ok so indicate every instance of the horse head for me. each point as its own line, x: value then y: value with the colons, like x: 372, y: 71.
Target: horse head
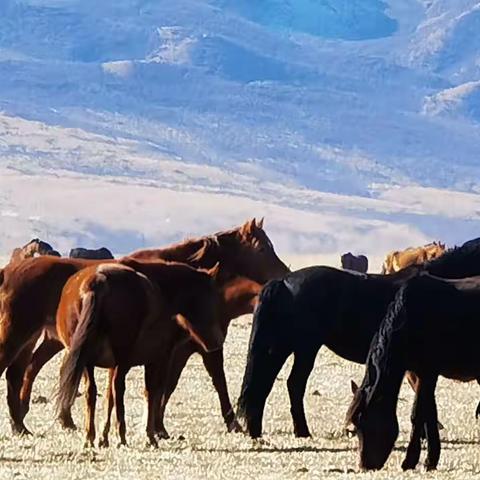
x: 374, y: 422
x: 251, y: 253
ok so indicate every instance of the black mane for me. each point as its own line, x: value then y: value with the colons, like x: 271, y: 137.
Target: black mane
x: 380, y: 348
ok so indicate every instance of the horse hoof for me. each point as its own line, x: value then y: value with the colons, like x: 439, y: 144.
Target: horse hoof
x: 162, y: 434
x: 68, y: 424
x: 303, y: 433
x: 88, y: 444
x: 122, y: 444
x: 104, y: 443
x: 234, y: 427
x: 408, y: 465
x: 20, y: 430
x: 152, y: 443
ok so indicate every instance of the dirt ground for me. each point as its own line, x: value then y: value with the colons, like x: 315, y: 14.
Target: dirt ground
x: 200, y: 446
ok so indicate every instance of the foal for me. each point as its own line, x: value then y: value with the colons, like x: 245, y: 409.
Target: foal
x: 113, y: 316
x: 431, y: 328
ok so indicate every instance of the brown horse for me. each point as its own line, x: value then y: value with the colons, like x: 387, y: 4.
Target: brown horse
x: 32, y: 289
x: 116, y: 317
x: 399, y: 260
x: 33, y: 248
x: 239, y: 297
x: 355, y: 263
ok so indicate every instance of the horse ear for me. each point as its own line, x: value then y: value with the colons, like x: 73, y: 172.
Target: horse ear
x: 259, y: 223
x: 247, y: 228
x: 354, y: 387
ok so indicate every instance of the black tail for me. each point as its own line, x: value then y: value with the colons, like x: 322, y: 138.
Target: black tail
x: 267, y: 350
x: 81, y: 348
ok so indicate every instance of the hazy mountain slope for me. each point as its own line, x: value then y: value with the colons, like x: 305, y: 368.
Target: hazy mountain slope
x: 273, y: 103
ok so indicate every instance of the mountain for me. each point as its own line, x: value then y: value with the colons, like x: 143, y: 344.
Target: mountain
x: 351, y: 124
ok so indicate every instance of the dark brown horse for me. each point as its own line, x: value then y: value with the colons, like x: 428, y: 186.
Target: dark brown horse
x: 91, y: 254
x: 356, y: 263
x: 115, y: 317
x: 431, y: 328
x: 32, y: 289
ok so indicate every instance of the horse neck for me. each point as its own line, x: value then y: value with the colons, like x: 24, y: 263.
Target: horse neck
x: 386, y: 366
x: 239, y: 296
x: 181, y: 252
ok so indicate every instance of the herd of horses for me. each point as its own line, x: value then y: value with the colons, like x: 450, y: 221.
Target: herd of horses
x: 157, y: 307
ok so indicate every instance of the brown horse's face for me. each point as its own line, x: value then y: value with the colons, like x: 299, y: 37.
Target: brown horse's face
x: 376, y: 426
x: 199, y: 314
x: 257, y: 259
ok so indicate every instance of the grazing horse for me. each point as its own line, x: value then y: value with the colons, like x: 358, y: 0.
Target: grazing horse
x: 92, y: 254
x: 431, y: 328
x: 355, y: 263
x: 319, y: 306
x: 114, y: 316
x: 396, y: 261
x: 33, y: 248
x: 31, y: 292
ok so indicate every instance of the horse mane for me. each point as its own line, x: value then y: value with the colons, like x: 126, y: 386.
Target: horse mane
x: 208, y: 244
x: 380, y: 348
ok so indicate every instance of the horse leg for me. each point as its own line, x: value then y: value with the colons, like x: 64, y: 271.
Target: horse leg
x: 153, y: 386
x: 418, y: 419
x: 47, y: 349
x: 109, y: 407
x: 433, y: 437
x: 91, y: 400
x: 119, y: 394
x: 297, y: 383
x: 270, y: 368
x: 177, y: 363
x: 14, y: 375
x: 413, y: 381
x: 213, y: 362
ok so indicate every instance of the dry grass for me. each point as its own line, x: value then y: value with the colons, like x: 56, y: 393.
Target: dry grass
x: 200, y: 447
x: 206, y: 451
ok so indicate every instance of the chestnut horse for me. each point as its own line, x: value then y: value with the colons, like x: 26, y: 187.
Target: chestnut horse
x: 32, y: 289
x: 398, y: 260
x: 431, y: 328
x: 113, y: 316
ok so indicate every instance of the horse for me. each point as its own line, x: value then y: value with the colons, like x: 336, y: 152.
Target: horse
x: 431, y: 328
x: 397, y: 260
x: 356, y: 263
x: 114, y: 316
x: 92, y: 254
x: 318, y: 306
x: 33, y: 248
x: 31, y: 292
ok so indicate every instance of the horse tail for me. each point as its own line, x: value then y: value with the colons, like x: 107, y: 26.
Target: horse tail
x: 81, y: 347
x: 267, y: 351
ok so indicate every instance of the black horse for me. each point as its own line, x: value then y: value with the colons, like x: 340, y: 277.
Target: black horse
x: 432, y: 328
x: 93, y: 254
x: 319, y: 306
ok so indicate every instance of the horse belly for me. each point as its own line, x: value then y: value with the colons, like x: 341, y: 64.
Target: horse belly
x: 105, y: 357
